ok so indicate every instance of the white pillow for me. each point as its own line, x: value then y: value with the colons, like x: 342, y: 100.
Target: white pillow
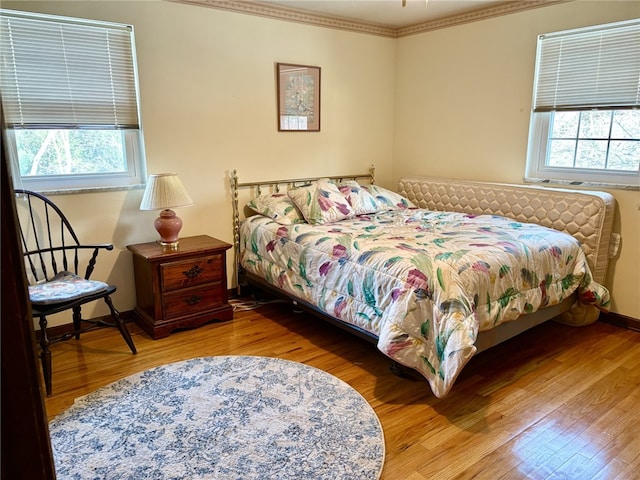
x: 388, y: 200
x: 321, y: 202
x: 277, y: 206
x: 361, y: 201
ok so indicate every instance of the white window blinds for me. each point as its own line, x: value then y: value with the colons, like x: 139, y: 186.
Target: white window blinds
x: 60, y: 72
x: 587, y: 68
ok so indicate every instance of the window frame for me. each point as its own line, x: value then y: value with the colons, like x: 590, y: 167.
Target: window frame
x: 554, y: 89
x: 132, y: 134
x: 537, y: 170
x: 133, y: 178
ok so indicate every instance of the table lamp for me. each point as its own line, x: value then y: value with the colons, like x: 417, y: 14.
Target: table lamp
x: 165, y: 191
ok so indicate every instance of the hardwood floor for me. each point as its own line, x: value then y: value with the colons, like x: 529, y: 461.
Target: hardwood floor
x: 557, y: 402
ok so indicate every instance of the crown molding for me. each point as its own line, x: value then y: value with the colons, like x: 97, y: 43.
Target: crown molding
x: 292, y: 15
x: 299, y: 16
x: 504, y: 8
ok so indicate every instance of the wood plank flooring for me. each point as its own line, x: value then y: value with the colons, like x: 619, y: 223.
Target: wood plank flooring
x: 557, y: 402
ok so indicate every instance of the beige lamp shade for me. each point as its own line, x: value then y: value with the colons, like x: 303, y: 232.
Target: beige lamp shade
x: 165, y: 191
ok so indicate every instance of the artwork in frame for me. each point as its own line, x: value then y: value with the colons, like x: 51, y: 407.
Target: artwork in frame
x: 298, y: 98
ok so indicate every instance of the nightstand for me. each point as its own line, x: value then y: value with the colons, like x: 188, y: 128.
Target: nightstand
x: 180, y: 288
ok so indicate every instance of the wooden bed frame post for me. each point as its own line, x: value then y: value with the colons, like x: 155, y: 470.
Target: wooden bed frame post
x: 236, y: 230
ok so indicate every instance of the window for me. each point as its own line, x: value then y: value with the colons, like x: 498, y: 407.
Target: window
x: 585, y: 123
x: 70, y: 102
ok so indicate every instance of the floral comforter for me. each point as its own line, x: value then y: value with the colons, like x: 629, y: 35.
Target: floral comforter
x: 424, y: 282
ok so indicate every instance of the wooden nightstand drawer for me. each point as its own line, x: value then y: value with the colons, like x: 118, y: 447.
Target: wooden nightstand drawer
x: 192, y: 300
x: 189, y: 273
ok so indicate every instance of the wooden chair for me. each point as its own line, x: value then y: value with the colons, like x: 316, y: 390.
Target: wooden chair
x: 53, y: 257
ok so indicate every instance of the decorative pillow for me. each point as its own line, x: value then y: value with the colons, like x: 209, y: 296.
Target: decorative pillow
x: 64, y: 287
x: 321, y: 203
x: 388, y: 200
x: 278, y: 207
x: 361, y: 201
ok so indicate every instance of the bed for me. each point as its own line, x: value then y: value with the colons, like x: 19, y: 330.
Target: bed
x: 432, y: 272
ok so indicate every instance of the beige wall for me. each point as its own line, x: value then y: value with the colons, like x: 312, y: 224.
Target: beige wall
x: 208, y: 106
x: 208, y: 94
x: 463, y: 100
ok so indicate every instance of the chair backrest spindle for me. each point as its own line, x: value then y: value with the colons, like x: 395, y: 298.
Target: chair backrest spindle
x: 47, y: 238
x: 54, y: 264
x: 32, y: 266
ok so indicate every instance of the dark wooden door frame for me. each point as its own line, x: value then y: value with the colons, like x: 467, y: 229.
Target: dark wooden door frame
x: 26, y: 446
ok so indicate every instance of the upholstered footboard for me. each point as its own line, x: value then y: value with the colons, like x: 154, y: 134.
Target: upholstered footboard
x: 586, y: 215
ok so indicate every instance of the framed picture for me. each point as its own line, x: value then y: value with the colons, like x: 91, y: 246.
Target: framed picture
x: 298, y: 98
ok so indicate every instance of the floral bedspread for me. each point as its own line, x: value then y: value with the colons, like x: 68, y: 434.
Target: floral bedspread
x: 424, y: 282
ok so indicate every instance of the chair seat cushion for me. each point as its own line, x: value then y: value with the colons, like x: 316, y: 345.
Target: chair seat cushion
x: 64, y: 287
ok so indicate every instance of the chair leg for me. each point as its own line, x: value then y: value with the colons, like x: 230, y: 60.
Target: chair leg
x: 77, y: 321
x: 120, y: 324
x: 45, y: 354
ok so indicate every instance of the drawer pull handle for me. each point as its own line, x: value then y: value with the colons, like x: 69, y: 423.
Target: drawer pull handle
x: 193, y: 300
x: 193, y: 272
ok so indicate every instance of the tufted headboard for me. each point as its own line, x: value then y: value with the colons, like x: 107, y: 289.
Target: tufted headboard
x: 586, y: 215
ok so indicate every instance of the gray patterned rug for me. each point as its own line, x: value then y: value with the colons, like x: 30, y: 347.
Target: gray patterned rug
x: 227, y: 417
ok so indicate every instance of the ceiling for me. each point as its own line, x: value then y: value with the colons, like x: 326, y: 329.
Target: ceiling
x: 387, y: 18
x: 390, y: 13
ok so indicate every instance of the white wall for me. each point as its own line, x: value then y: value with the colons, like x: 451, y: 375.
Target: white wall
x: 463, y: 100
x: 208, y: 102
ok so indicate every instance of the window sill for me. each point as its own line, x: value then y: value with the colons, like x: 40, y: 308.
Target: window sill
x: 616, y: 186
x: 72, y: 191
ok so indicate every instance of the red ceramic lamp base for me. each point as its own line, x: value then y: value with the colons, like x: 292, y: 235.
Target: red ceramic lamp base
x: 168, y: 225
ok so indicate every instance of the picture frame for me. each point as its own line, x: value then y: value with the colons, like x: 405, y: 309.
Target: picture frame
x: 298, y: 92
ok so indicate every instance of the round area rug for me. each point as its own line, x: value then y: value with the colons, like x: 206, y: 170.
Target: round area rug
x: 227, y: 417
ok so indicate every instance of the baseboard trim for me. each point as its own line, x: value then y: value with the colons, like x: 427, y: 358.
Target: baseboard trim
x: 619, y: 320
x: 612, y: 318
